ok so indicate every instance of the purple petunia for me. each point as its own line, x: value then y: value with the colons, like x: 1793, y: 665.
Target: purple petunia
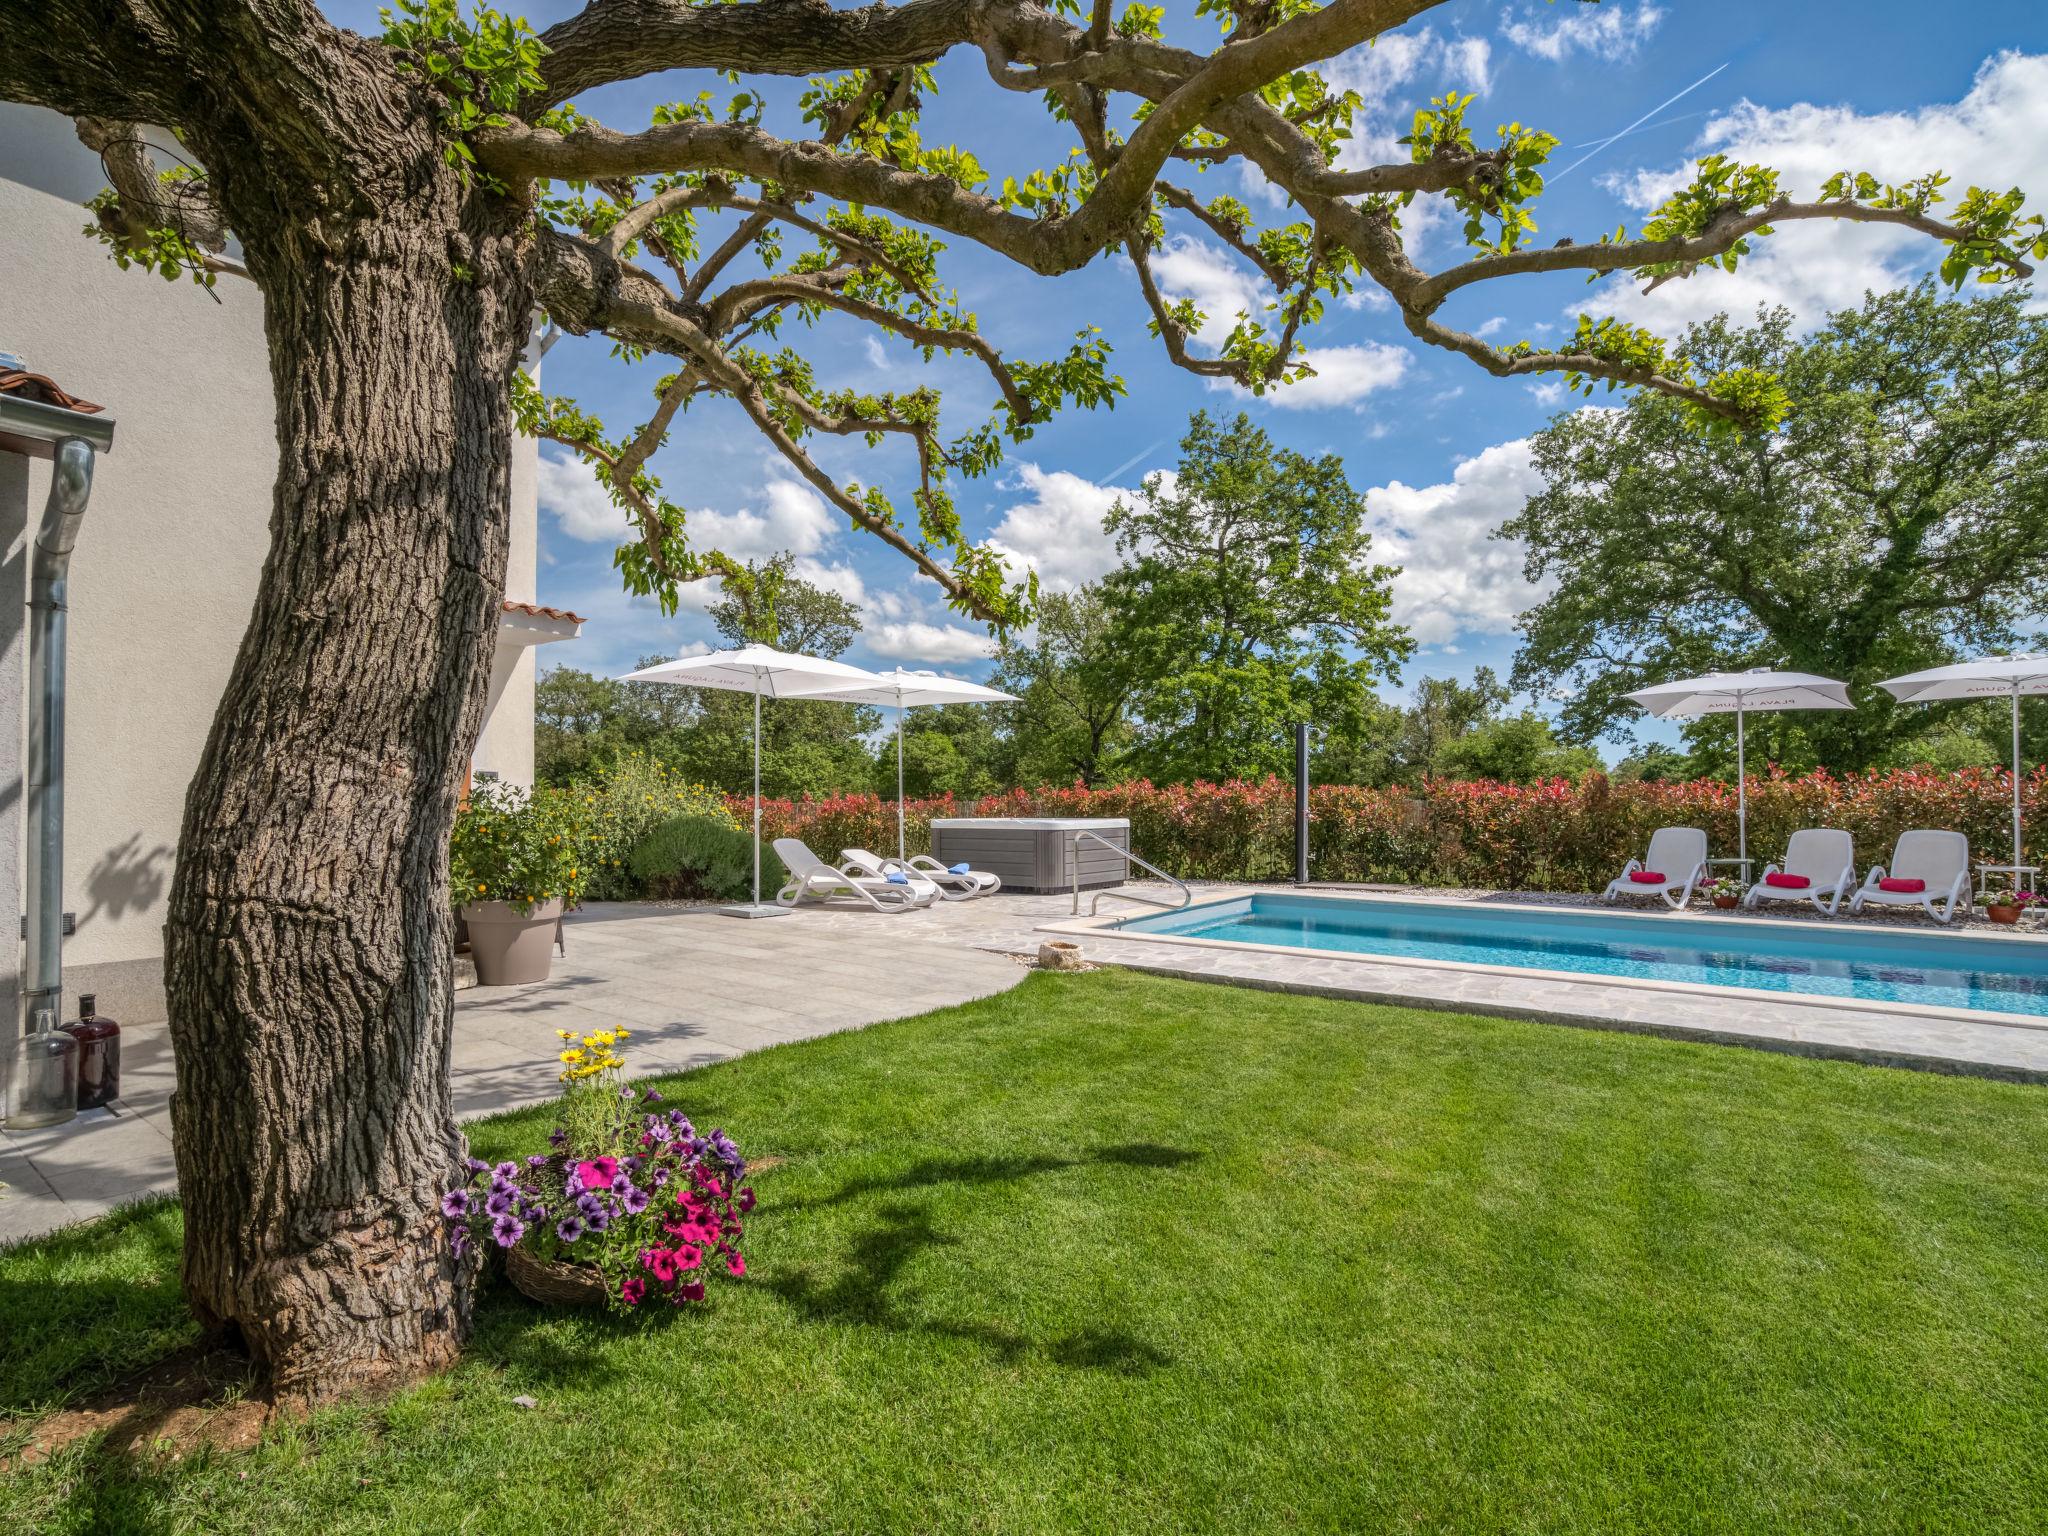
x: 455, y: 1204
x: 568, y: 1229
x: 621, y: 1183
x: 659, y: 1130
x: 499, y: 1203
x: 475, y: 1164
x: 590, y: 1206
x: 600, y: 1221
x: 634, y: 1200
x: 558, y: 1137
x: 507, y: 1230
x: 506, y: 1170
x: 537, y: 1160
x: 653, y: 1097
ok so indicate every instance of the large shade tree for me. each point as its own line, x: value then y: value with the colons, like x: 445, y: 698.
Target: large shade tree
x: 405, y: 204
x: 1897, y: 520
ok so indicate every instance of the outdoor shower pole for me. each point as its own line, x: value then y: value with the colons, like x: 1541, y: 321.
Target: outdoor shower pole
x: 1301, y: 803
x: 900, y: 713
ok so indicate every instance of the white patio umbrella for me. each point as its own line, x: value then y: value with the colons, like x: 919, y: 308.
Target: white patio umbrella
x: 1738, y: 694
x: 1989, y: 677
x: 765, y: 673
x: 904, y: 691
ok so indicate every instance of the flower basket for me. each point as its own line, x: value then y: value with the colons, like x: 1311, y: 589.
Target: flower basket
x: 552, y: 1283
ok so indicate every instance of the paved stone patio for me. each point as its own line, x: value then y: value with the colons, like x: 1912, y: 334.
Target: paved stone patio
x: 697, y: 987
x: 694, y: 987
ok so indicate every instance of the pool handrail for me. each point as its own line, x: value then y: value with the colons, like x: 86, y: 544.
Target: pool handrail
x: 1187, y: 894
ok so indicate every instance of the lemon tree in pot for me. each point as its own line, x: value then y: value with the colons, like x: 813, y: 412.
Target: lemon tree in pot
x: 514, y: 862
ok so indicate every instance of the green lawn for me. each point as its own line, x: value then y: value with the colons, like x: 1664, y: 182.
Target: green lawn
x: 1113, y: 1253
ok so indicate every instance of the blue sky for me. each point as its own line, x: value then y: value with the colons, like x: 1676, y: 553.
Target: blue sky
x: 1438, y: 446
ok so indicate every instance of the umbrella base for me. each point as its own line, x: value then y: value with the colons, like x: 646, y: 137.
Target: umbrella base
x: 754, y: 909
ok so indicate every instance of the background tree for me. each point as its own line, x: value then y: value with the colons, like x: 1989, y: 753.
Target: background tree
x: 404, y: 204
x: 583, y: 724
x: 1246, y: 603
x: 1074, y: 690
x: 1898, y: 519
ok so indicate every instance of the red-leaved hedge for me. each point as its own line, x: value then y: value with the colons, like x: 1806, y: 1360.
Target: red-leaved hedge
x: 1548, y: 836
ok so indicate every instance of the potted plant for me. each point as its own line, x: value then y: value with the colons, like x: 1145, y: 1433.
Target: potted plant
x: 1725, y: 891
x: 2006, y: 904
x: 514, y: 863
x: 629, y: 1204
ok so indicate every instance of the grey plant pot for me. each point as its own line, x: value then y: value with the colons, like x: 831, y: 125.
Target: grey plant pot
x: 510, y: 947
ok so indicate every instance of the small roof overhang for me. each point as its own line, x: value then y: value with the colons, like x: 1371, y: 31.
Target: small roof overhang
x: 533, y: 624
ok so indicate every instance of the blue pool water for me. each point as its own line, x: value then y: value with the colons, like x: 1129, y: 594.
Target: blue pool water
x: 1887, y: 964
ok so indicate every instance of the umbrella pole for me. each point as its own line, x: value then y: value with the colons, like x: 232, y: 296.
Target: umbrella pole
x: 2016, y: 783
x: 900, y: 713
x: 1741, y: 796
x: 757, y: 797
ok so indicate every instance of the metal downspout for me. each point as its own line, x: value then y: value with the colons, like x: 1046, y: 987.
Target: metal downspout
x: 49, y: 563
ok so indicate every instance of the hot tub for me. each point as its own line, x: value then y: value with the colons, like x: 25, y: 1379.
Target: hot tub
x: 1036, y: 853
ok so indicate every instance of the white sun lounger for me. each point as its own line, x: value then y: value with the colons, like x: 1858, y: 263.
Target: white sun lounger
x: 1679, y: 854
x: 1821, y: 856
x: 953, y: 884
x: 1940, y: 861
x: 876, y: 868
x: 810, y: 875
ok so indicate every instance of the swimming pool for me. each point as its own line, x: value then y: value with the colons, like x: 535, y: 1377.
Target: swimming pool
x: 1880, y: 965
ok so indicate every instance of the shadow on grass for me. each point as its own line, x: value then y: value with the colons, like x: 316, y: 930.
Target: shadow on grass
x: 931, y: 1172
x: 869, y: 1293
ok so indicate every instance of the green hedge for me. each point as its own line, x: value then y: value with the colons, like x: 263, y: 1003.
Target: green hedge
x: 1549, y: 836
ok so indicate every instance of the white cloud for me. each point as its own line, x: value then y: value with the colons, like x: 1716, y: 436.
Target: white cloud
x: 878, y: 355
x: 1343, y: 376
x: 792, y: 519
x: 579, y: 505
x: 1549, y: 392
x: 1456, y: 578
x: 1058, y: 533
x: 1996, y: 136
x: 1222, y: 289
x: 1492, y: 327
x: 1606, y: 31
x: 916, y: 640
x: 841, y: 579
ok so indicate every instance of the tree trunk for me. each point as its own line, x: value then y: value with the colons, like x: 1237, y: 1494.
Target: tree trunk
x: 309, y: 938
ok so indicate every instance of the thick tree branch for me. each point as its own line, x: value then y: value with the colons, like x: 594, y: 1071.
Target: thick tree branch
x: 612, y: 40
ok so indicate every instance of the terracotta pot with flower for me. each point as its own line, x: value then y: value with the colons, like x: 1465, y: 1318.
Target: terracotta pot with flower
x: 514, y: 865
x: 2006, y: 905
x: 631, y: 1203
x: 1725, y: 891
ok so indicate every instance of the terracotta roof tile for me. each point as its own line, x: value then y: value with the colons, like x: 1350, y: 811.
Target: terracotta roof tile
x: 540, y: 612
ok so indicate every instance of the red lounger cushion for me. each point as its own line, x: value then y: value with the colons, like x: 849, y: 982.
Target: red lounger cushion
x: 1646, y: 877
x: 1786, y: 882
x: 1903, y: 887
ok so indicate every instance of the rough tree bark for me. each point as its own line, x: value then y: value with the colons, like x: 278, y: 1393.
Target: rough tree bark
x: 309, y: 933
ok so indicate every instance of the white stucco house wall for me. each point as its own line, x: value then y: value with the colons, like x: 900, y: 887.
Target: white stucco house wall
x: 164, y: 575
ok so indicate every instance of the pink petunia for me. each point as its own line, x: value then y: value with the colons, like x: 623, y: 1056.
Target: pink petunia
x: 598, y: 1173
x: 736, y: 1264
x: 632, y: 1291
x: 688, y: 1257
x: 692, y: 1291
